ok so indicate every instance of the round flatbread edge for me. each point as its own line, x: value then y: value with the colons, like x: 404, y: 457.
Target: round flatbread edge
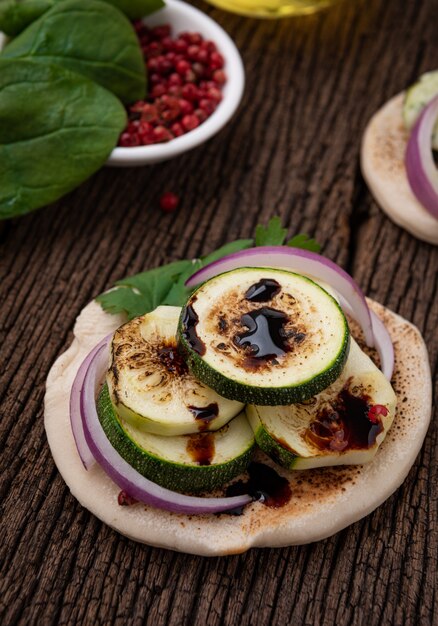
x: 383, y: 167
x: 323, y: 502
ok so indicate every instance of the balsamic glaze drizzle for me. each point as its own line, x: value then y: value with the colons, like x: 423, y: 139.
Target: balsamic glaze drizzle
x: 265, y: 337
x: 264, y: 484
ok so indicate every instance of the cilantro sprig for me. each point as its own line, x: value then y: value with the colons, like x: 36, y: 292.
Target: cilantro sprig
x: 139, y: 294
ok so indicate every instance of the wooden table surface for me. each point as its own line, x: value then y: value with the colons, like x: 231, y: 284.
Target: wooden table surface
x: 292, y: 150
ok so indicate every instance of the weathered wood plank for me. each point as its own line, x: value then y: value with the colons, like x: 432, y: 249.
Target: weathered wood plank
x: 292, y: 150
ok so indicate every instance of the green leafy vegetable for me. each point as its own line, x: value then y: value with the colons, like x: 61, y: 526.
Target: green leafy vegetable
x: 16, y: 15
x: 135, y: 9
x: 271, y: 235
x: 57, y: 128
x: 93, y: 39
x: 179, y: 292
x: 304, y: 242
x: 142, y: 293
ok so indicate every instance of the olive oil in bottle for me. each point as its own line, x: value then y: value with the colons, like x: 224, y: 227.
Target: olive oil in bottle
x: 273, y: 8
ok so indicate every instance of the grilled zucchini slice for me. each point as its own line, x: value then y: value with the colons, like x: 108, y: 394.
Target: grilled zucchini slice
x: 264, y: 336
x: 150, y: 385
x: 343, y: 425
x: 187, y: 463
x: 417, y: 97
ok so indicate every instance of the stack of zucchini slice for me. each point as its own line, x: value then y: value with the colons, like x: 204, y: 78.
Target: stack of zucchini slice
x: 164, y: 422
x: 178, y: 381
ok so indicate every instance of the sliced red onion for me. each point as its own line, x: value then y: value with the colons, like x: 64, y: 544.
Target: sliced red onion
x: 383, y: 341
x: 420, y: 166
x: 296, y: 260
x: 384, y: 346
x: 84, y: 451
x: 123, y: 474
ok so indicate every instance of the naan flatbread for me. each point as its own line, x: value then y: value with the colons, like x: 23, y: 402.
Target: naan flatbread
x: 324, y: 501
x: 383, y: 167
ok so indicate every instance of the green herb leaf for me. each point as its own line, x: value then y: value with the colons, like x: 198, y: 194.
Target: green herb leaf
x: 123, y: 300
x: 271, y: 235
x: 144, y: 292
x: 304, y: 242
x: 16, y: 15
x: 71, y: 34
x: 166, y: 285
x: 57, y: 128
x: 135, y: 9
x: 179, y: 293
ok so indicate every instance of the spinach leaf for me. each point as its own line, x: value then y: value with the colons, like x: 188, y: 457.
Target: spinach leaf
x: 135, y: 9
x: 15, y: 15
x: 271, y: 235
x: 93, y: 39
x: 304, y: 242
x: 56, y: 129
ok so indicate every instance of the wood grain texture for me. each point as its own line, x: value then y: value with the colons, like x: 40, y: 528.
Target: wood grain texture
x: 291, y: 150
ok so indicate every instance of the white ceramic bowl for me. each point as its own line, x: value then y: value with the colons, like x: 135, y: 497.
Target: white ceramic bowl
x: 183, y: 17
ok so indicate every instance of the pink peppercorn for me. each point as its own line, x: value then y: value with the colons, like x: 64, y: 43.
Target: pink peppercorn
x: 185, y: 106
x: 185, y: 76
x: 177, y: 129
x: 128, y: 140
x: 161, y: 31
x: 161, y: 134
x: 182, y: 67
x: 169, y: 202
x: 375, y: 412
x: 190, y: 122
x: 216, y: 61
x: 201, y: 115
x: 219, y: 77
x: 190, y: 92
x: 124, y: 499
x: 180, y: 45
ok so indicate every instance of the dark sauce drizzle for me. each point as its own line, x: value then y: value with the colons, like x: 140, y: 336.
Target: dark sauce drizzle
x: 264, y: 484
x: 204, y: 414
x: 201, y: 448
x: 189, y: 323
x: 348, y: 424
x: 172, y: 360
x: 265, y: 337
x: 263, y: 291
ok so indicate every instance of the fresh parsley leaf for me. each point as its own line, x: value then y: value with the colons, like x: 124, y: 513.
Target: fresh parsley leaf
x: 304, y: 242
x: 271, y: 235
x: 179, y: 293
x: 123, y: 300
x: 139, y: 294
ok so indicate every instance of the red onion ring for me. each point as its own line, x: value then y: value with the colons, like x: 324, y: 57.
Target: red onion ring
x: 84, y: 451
x: 296, y: 260
x: 123, y: 474
x: 420, y: 166
x: 383, y: 341
x: 384, y: 346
